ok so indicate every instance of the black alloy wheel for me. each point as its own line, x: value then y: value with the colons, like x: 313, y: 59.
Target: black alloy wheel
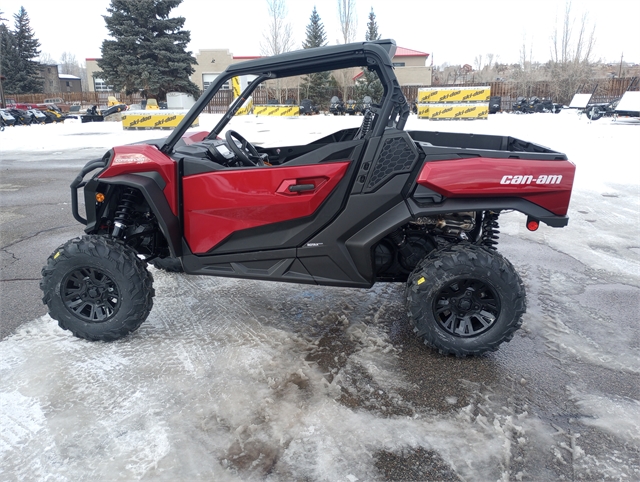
x: 466, y: 307
x: 90, y: 294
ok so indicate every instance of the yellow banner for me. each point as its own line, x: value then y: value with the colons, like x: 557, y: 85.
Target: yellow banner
x: 453, y: 94
x: 247, y: 107
x: 235, y: 85
x: 154, y: 120
x: 277, y: 110
x: 454, y: 111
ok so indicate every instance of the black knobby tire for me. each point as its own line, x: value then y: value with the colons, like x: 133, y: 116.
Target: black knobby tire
x: 172, y: 265
x: 465, y: 300
x: 97, y: 288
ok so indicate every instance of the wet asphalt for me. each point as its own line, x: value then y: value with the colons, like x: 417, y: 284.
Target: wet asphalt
x: 580, y: 336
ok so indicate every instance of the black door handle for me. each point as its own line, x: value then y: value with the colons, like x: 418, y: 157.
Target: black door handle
x: 301, y: 187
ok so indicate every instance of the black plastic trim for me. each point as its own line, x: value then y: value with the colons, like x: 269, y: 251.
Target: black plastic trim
x: 452, y: 205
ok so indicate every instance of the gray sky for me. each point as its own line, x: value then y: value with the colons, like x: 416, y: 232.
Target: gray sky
x: 453, y: 31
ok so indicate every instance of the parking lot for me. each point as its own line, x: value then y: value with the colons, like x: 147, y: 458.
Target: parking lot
x: 246, y: 380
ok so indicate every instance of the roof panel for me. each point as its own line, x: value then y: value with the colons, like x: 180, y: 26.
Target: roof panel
x: 402, y: 52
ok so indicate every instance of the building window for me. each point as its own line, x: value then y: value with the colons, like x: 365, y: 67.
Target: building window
x: 207, y: 80
x: 51, y: 83
x: 101, y: 86
x: 49, y: 70
x: 398, y: 64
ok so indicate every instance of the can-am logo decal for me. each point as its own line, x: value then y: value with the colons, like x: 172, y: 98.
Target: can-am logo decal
x: 543, y: 179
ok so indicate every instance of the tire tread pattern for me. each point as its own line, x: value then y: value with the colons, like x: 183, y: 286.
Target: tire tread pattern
x: 123, y: 261
x: 435, y: 267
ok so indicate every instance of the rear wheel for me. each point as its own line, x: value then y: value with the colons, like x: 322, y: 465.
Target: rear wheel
x: 465, y: 300
x: 97, y: 288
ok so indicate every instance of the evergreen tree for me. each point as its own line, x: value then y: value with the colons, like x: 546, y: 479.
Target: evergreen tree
x: 149, y: 51
x: 315, y: 86
x: 19, y: 51
x: 368, y: 83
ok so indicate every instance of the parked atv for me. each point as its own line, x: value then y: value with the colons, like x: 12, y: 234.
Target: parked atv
x: 22, y: 117
x: 307, y: 107
x: 37, y: 117
x: 543, y: 105
x: 92, y: 115
x: 521, y: 106
x: 336, y: 107
x: 6, y: 119
x: 352, y: 107
x: 358, y: 206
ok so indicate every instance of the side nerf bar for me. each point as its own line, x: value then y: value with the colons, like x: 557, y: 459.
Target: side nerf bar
x: 78, y: 183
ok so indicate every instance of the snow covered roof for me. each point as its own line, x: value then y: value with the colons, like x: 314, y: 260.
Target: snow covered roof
x: 68, y: 76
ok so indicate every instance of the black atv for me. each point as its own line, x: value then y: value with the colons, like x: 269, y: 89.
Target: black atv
x: 307, y: 107
x: 336, y: 106
x: 355, y: 207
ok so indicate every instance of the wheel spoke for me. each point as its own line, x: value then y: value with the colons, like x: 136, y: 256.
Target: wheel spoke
x: 448, y: 323
x: 464, y: 327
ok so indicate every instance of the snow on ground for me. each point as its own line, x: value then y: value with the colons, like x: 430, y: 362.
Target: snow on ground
x: 242, y: 380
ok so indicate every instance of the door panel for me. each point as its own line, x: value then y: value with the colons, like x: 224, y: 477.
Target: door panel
x: 221, y: 203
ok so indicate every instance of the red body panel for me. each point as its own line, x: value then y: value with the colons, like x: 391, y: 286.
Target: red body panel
x: 545, y: 183
x: 144, y: 158
x: 220, y: 203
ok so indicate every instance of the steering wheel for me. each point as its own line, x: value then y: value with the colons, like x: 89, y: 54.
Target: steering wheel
x: 244, y: 153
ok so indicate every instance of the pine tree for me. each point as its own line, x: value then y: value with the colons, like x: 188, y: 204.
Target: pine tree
x: 316, y: 86
x: 19, y: 51
x: 368, y: 83
x: 149, y: 51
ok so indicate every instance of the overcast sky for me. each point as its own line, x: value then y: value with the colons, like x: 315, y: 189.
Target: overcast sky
x: 453, y: 31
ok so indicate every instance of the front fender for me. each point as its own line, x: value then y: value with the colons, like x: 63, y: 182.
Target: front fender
x: 151, y: 185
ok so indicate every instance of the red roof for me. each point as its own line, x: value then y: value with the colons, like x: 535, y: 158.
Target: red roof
x: 402, y: 52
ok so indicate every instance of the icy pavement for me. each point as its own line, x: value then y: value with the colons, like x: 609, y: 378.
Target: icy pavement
x: 243, y: 380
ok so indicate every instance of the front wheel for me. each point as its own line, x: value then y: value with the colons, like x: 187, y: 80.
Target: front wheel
x: 465, y: 300
x: 97, y: 288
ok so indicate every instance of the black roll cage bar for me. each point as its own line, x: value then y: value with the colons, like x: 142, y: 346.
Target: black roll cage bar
x: 376, y: 56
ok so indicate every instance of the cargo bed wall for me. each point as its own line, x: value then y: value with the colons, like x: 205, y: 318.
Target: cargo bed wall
x: 479, y: 141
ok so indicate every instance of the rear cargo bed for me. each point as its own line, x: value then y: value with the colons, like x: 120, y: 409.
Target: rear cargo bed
x: 483, y: 142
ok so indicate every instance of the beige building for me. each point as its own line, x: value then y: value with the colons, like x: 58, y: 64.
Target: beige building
x: 411, y: 68
x: 96, y: 84
x: 211, y: 63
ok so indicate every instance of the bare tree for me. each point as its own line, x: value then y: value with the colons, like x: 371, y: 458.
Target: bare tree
x: 348, y: 26
x: 348, y: 20
x: 278, y: 38
x: 46, y: 59
x: 68, y: 64
x: 571, y: 51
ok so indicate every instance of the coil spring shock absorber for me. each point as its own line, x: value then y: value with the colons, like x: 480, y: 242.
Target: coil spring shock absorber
x: 366, y: 124
x: 123, y: 212
x: 490, y: 231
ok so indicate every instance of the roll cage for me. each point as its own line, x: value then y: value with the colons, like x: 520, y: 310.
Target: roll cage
x: 376, y: 56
